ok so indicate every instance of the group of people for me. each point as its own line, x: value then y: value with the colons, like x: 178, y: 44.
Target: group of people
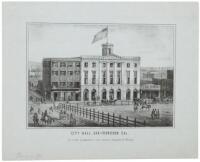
x: 155, y: 114
x: 41, y: 117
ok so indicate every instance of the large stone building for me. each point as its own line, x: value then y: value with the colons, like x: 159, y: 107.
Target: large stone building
x: 92, y: 78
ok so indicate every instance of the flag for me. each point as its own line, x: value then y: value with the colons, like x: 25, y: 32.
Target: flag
x: 101, y: 35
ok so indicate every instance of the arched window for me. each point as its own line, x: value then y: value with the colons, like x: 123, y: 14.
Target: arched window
x: 119, y: 94
x: 93, y: 95
x: 135, y: 93
x: 86, y: 95
x: 111, y: 94
x: 128, y: 94
x: 104, y: 94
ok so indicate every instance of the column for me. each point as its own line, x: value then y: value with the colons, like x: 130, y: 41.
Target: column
x: 138, y: 94
x: 62, y: 96
x: 107, y: 94
x: 107, y: 73
x: 90, y: 99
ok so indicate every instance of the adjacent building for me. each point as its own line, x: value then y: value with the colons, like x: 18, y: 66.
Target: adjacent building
x: 156, y: 82
x: 92, y: 78
x: 61, y: 79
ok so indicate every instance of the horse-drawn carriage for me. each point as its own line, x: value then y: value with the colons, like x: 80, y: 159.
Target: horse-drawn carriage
x: 108, y: 102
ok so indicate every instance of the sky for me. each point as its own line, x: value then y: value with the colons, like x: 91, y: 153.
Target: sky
x: 153, y: 43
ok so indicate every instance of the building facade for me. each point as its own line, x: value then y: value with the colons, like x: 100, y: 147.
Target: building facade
x: 97, y: 78
x: 110, y: 77
x: 156, y: 82
x: 61, y: 79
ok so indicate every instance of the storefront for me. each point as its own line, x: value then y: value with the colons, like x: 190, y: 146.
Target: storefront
x: 150, y: 91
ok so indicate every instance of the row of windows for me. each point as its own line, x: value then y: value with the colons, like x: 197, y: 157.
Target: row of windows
x: 64, y: 64
x: 110, y: 93
x: 104, y: 77
x: 64, y: 73
x: 111, y: 64
x: 64, y: 84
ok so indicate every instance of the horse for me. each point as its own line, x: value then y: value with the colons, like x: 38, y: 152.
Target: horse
x: 146, y: 106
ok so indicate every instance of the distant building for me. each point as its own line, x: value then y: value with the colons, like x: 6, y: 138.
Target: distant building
x: 150, y: 91
x: 160, y: 78
x: 92, y: 78
x: 34, y: 74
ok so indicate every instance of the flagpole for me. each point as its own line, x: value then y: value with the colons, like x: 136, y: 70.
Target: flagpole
x: 107, y: 35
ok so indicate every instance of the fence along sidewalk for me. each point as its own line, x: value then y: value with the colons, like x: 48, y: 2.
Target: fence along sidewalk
x: 104, y: 119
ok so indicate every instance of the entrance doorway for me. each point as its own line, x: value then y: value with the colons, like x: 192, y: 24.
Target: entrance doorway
x: 55, y: 96
x: 134, y: 94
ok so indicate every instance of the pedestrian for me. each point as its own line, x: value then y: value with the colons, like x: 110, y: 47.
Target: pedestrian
x: 46, y: 118
x: 35, y: 119
x: 153, y: 114
x: 158, y: 114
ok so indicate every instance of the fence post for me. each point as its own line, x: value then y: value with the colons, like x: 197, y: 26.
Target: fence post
x: 119, y: 120
x: 113, y: 119
x: 108, y: 118
x: 98, y: 116
x: 93, y: 114
x: 102, y: 117
x: 90, y: 114
x: 127, y: 121
x: 144, y: 123
x: 135, y: 122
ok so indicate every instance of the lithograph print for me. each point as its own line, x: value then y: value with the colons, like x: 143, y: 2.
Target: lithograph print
x: 100, y: 75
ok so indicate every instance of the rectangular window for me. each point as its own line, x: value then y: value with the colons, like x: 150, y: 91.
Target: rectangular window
x: 111, y: 77
x: 54, y: 64
x: 77, y: 72
x: 86, y: 77
x: 109, y: 50
x: 128, y: 77
x: 70, y: 64
x: 62, y: 64
x: 70, y: 84
x: 63, y: 73
x: 55, y: 84
x: 135, y: 65
x: 128, y: 65
x: 77, y: 84
x: 70, y: 73
x: 86, y: 64
x: 104, y: 77
x: 118, y: 64
x: 135, y: 77
x: 94, y: 64
x: 78, y: 64
x: 104, y: 64
x: 62, y: 84
x: 55, y: 73
x: 111, y: 64
x: 93, y: 77
x: 118, y: 77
